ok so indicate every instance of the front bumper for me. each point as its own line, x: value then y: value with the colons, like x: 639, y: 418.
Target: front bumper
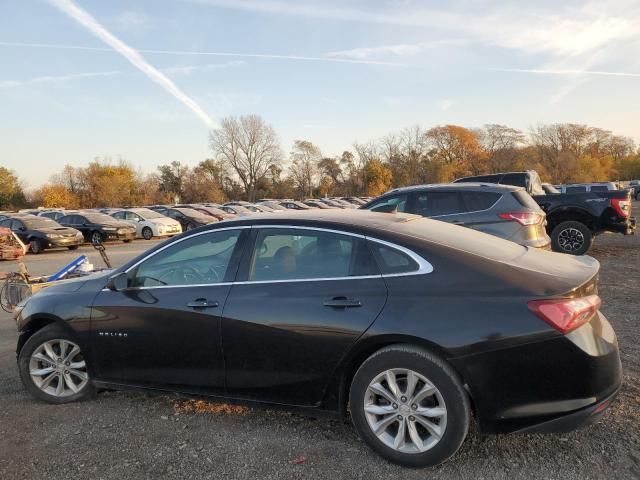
x: 120, y: 236
x: 626, y: 227
x: 64, y: 242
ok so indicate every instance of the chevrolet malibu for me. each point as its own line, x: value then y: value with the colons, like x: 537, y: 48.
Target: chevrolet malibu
x: 408, y: 325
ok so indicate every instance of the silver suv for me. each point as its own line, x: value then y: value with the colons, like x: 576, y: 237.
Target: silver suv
x: 505, y: 211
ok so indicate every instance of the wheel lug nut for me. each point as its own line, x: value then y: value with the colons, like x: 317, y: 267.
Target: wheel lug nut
x: 414, y: 406
x: 411, y: 418
x: 399, y: 417
x: 395, y: 405
x: 404, y: 399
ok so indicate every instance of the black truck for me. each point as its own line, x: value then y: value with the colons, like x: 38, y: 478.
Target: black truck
x: 573, y: 219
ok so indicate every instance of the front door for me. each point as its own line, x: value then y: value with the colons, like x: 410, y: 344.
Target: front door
x: 164, y: 329
x: 303, y: 298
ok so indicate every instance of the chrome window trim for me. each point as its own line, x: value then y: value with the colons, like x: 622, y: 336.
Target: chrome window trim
x: 424, y: 267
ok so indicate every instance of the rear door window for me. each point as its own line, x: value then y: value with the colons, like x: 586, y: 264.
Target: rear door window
x: 437, y: 204
x: 477, y: 201
x: 282, y: 254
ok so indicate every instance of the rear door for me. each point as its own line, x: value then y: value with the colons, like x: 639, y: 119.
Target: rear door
x: 306, y: 296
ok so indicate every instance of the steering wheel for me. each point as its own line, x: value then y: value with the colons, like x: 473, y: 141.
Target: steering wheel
x: 184, y: 275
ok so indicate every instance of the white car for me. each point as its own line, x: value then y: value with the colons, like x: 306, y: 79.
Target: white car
x: 148, y: 223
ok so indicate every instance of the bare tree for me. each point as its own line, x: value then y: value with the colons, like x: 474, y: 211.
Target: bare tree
x: 502, y: 145
x: 249, y: 145
x: 305, y: 157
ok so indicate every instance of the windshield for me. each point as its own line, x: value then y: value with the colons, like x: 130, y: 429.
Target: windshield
x: 39, y: 222
x: 98, y: 217
x: 190, y: 212
x: 147, y: 214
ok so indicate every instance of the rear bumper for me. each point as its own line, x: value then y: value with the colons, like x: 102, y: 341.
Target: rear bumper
x: 572, y: 421
x: 551, y: 385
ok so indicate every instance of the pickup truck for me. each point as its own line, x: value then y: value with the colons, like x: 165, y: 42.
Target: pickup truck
x: 573, y: 219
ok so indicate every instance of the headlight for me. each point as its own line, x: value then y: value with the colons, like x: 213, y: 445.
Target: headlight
x: 161, y: 228
x: 109, y: 229
x: 122, y: 230
x: 53, y: 235
x: 79, y: 235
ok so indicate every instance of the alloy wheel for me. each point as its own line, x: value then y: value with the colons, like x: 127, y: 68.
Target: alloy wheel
x: 57, y: 367
x: 571, y: 239
x: 405, y: 410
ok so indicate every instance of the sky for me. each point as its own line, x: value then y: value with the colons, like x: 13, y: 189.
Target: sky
x: 146, y: 80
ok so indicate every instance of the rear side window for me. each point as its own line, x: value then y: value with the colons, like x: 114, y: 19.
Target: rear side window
x: 517, y: 179
x: 526, y: 200
x: 599, y: 188
x: 433, y: 204
x: 476, y: 201
x: 580, y: 189
x: 391, y: 260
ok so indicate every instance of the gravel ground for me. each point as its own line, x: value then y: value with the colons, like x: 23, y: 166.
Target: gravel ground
x: 129, y: 435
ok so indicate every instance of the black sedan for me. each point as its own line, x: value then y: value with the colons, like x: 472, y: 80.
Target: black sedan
x: 98, y: 227
x: 409, y: 323
x: 40, y: 233
x: 188, y: 218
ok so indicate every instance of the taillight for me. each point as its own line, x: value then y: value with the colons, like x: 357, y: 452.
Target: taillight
x: 565, y: 314
x: 523, y: 218
x: 621, y: 206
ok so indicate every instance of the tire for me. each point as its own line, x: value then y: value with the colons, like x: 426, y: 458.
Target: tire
x: 73, y: 247
x: 435, y: 445
x: 191, y: 226
x: 147, y: 233
x: 96, y: 237
x: 57, y: 390
x: 126, y: 241
x: 36, y: 246
x: 571, y: 237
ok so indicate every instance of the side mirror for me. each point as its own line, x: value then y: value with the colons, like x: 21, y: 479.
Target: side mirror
x: 118, y: 282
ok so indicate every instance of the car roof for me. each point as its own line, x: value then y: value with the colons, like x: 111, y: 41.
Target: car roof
x: 472, y: 186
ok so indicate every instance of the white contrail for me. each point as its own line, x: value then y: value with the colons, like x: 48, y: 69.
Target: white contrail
x: 86, y: 20
x: 213, y: 54
x: 566, y: 72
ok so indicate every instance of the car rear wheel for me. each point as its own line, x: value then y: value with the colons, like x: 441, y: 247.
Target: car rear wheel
x: 191, y: 226
x: 571, y: 237
x: 53, y: 368
x: 73, y: 247
x: 409, y: 406
x: 147, y: 233
x: 36, y: 246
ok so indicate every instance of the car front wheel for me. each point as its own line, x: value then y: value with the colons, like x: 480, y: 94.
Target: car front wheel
x: 35, y: 246
x: 147, y: 233
x: 53, y: 367
x: 409, y: 406
x: 96, y: 238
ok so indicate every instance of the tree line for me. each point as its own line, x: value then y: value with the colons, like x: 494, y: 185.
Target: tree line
x: 248, y: 162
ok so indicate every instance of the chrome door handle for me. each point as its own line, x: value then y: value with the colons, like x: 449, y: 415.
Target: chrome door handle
x: 202, y: 303
x: 342, y: 302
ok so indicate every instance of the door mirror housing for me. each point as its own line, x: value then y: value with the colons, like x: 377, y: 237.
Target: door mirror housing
x: 118, y: 282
